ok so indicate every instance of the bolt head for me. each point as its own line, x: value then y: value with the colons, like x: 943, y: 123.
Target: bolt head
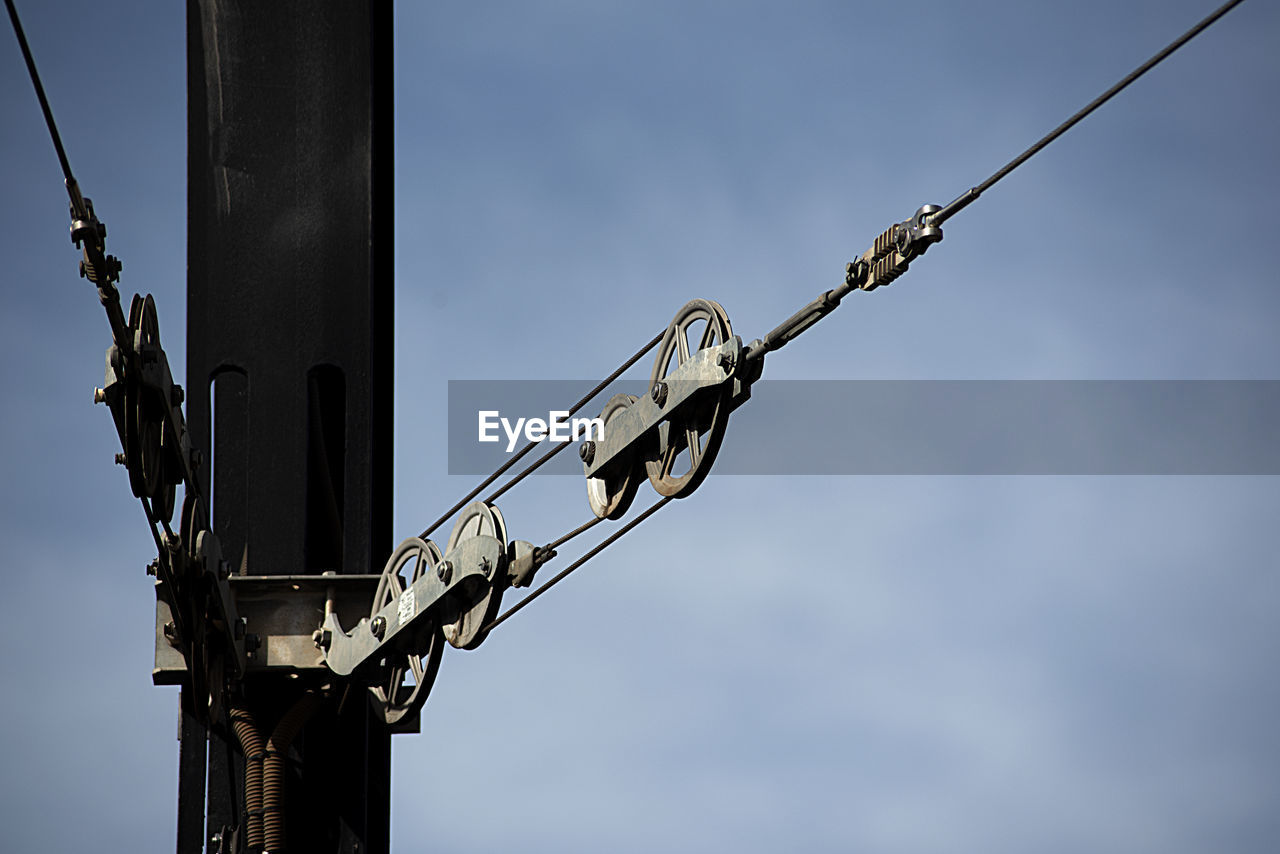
x: 444, y: 571
x: 378, y: 627
x: 902, y: 239
x: 587, y: 450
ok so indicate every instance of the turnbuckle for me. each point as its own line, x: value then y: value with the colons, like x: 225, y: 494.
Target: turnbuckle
x: 893, y: 251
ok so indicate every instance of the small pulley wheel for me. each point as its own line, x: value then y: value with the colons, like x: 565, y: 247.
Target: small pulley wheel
x: 478, y: 519
x: 188, y: 527
x: 678, y: 466
x: 610, y: 494
x: 144, y: 425
x: 401, y: 693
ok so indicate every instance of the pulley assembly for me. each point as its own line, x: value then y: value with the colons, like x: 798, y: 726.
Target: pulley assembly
x: 669, y: 436
x: 381, y: 637
x: 387, y: 633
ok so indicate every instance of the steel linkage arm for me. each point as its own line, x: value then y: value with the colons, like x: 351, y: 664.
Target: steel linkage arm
x: 667, y: 399
x: 405, y: 624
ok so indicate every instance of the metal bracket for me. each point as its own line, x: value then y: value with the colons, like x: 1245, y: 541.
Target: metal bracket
x: 281, y: 613
x: 402, y: 624
x: 623, y: 436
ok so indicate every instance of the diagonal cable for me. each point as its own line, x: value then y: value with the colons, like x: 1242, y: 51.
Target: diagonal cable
x: 971, y: 195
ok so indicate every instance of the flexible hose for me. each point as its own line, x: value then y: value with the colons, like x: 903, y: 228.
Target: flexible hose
x: 273, y: 770
x: 254, y: 753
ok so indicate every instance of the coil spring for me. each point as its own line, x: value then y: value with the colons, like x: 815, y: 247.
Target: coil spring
x: 273, y: 770
x: 251, y: 743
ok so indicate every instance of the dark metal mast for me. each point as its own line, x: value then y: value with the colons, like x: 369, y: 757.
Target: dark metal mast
x: 289, y: 365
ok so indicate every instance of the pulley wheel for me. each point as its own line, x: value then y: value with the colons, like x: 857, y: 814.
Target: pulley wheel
x: 476, y: 520
x: 404, y: 689
x: 165, y: 499
x: 610, y: 494
x: 188, y: 527
x: 143, y: 425
x: 678, y: 466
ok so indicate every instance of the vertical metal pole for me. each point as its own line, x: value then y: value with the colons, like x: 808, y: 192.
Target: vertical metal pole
x: 192, y: 761
x: 289, y: 360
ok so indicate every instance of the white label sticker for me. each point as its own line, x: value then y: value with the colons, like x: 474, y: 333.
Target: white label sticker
x: 406, y: 610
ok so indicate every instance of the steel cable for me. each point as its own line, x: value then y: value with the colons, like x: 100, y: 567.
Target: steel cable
x: 44, y: 102
x: 538, y: 463
x: 529, y: 447
x: 971, y: 195
x: 581, y: 529
x: 564, y: 573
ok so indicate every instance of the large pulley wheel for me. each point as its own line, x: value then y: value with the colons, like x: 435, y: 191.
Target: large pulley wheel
x: 401, y: 693
x: 678, y: 464
x: 144, y: 418
x: 610, y: 494
x: 165, y: 498
x: 480, y: 607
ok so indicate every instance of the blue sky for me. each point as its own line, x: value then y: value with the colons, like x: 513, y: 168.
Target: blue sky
x: 907, y: 664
